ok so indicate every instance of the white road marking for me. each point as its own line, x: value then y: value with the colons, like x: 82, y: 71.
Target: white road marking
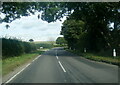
x: 57, y: 57
x: 21, y: 70
x: 60, y: 63
x: 56, y: 52
x: 18, y: 73
x: 36, y: 58
x: 62, y: 66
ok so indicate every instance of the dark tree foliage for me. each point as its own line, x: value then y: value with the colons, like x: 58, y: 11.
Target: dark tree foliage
x: 96, y: 34
x: 71, y: 30
x: 14, y: 10
x: 31, y: 40
x: 96, y: 16
x: 61, y: 41
x: 7, y: 26
x: 15, y: 47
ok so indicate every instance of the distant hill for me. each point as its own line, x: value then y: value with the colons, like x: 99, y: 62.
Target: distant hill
x: 47, y: 42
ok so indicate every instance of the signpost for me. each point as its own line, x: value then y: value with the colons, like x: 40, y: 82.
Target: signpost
x: 85, y: 50
x: 114, y: 52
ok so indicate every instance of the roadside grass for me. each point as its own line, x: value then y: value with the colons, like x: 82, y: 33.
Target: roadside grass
x: 0, y: 67
x: 96, y: 57
x: 9, y: 64
x: 109, y: 59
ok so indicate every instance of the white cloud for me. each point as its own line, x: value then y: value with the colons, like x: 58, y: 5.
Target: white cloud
x: 32, y: 27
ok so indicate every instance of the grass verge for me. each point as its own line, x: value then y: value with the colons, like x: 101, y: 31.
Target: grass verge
x: 0, y: 67
x: 110, y: 60
x: 95, y: 57
x: 11, y: 63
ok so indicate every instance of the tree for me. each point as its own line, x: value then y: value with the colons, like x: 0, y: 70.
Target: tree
x: 71, y: 30
x: 31, y: 40
x: 15, y: 10
x: 60, y: 41
x: 7, y: 26
x: 96, y: 16
x: 96, y: 27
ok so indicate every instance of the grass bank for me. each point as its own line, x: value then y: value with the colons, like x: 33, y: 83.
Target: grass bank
x: 109, y: 59
x: 95, y: 57
x: 0, y: 67
x: 9, y: 64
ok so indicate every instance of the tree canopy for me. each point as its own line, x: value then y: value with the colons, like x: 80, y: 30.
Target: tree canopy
x: 60, y: 41
x: 94, y: 31
x: 88, y: 23
x: 51, y: 11
x: 31, y: 40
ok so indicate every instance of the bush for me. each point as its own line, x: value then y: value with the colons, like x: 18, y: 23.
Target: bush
x: 15, y: 47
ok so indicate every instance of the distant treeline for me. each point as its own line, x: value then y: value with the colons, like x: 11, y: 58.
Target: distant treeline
x: 15, y: 47
x: 93, y: 27
x: 44, y: 45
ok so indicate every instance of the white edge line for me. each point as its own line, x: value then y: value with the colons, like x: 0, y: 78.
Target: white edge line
x: 36, y: 58
x: 21, y: 70
x: 18, y: 73
x: 62, y: 66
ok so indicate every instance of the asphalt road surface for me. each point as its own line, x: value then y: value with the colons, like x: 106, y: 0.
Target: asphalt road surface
x: 60, y: 66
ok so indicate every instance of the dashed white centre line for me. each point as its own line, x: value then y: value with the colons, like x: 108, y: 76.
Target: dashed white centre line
x: 60, y: 63
x: 56, y: 52
x: 57, y: 57
x: 62, y: 66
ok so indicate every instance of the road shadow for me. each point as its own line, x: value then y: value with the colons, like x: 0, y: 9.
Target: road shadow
x: 64, y: 53
x: 59, y: 51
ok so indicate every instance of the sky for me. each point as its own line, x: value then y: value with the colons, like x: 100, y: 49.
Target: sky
x: 31, y: 27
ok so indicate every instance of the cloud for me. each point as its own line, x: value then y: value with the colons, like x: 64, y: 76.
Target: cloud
x: 32, y: 27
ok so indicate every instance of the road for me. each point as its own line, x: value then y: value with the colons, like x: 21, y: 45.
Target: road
x: 60, y: 66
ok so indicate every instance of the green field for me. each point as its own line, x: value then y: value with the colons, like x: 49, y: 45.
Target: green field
x: 46, y: 42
